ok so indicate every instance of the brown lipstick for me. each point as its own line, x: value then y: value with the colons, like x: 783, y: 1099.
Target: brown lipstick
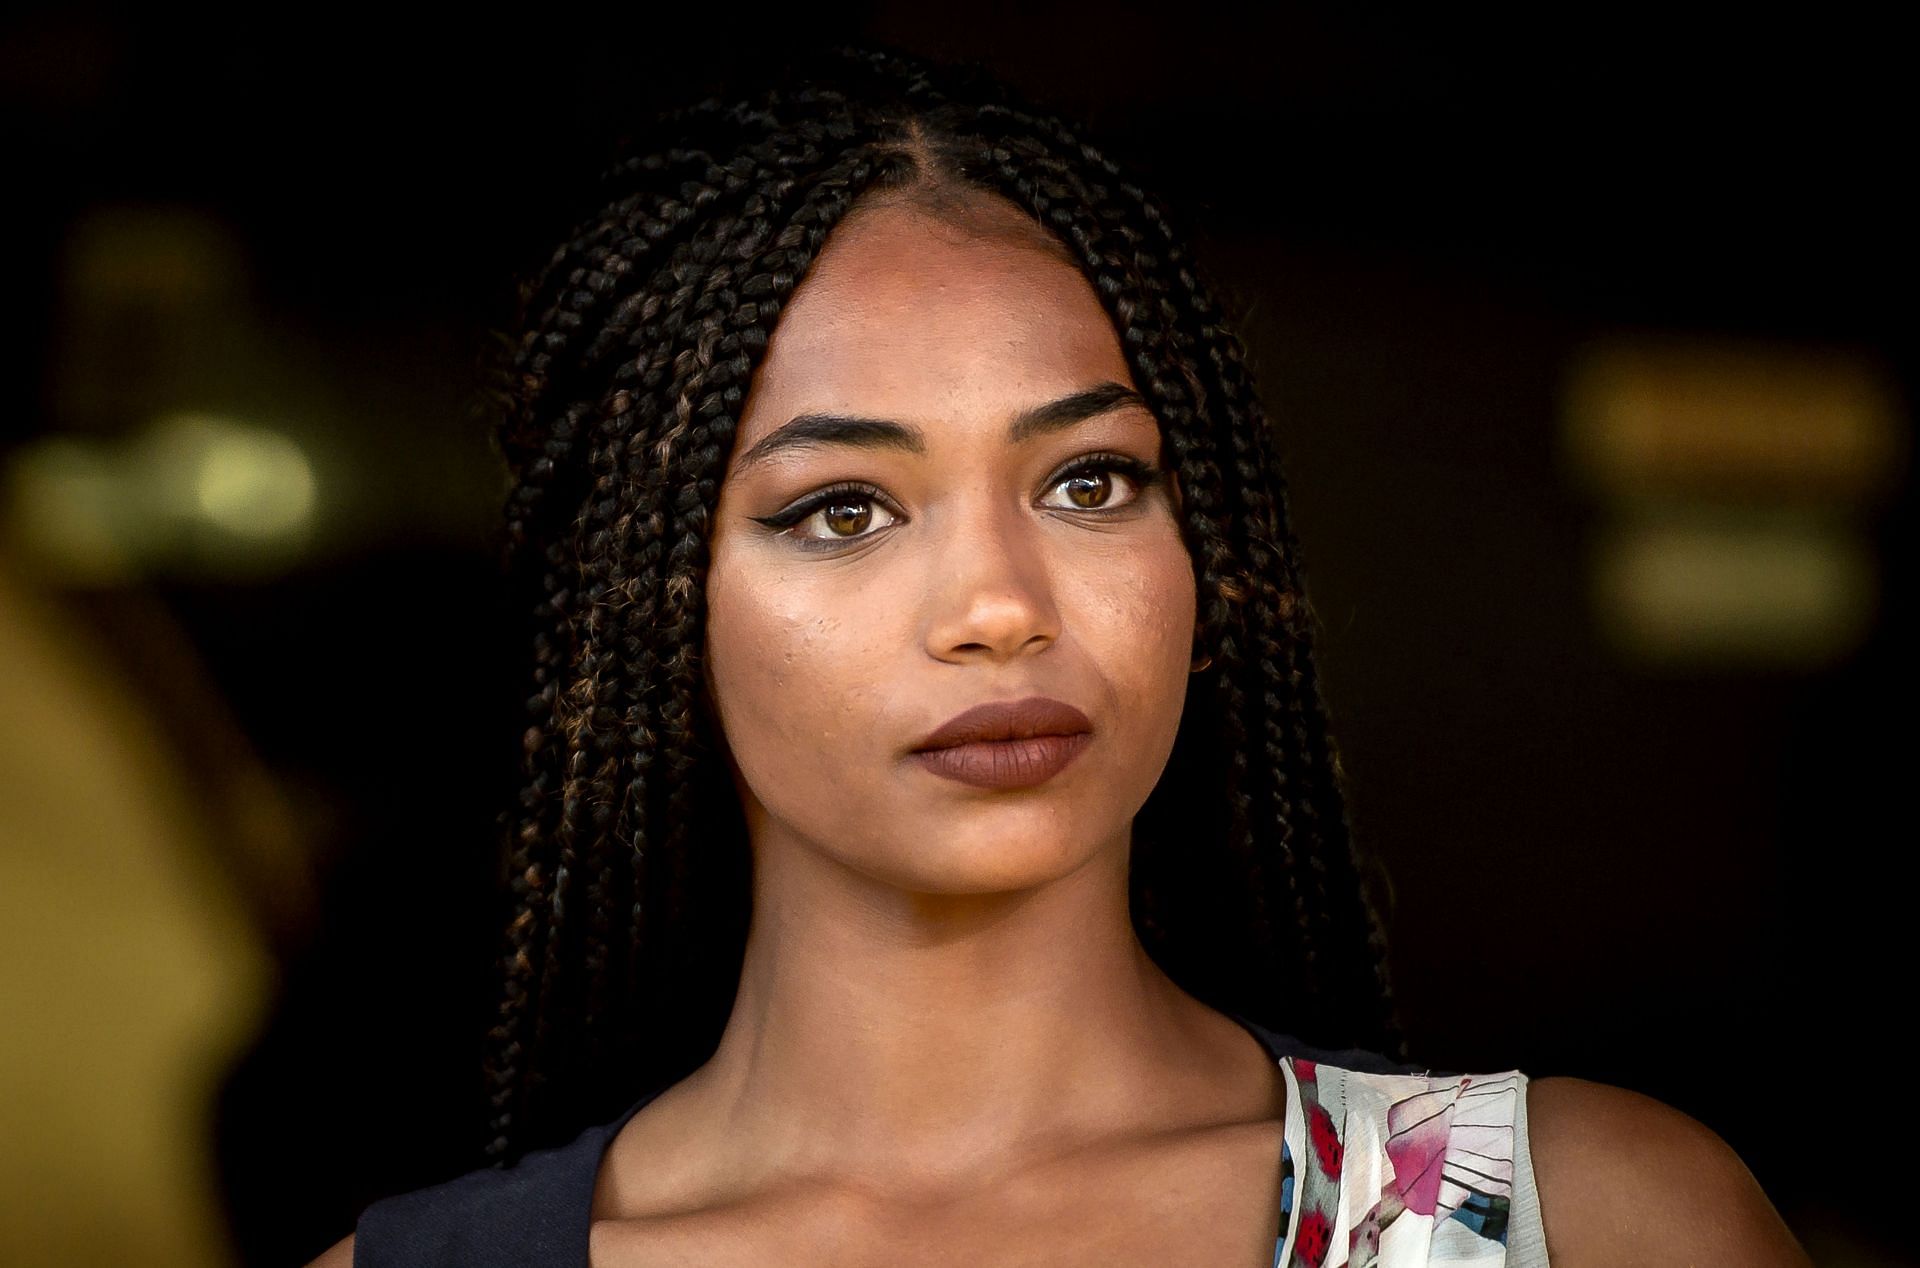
x: 1007, y: 744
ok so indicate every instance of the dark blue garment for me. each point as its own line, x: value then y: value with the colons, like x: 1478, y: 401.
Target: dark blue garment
x: 537, y: 1212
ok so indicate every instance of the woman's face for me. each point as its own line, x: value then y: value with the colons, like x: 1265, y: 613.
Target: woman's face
x: 985, y: 563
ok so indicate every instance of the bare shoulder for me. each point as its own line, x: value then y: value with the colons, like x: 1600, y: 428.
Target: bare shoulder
x: 1624, y: 1178
x: 339, y: 1255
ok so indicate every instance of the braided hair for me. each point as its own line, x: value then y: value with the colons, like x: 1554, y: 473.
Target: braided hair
x: 618, y: 393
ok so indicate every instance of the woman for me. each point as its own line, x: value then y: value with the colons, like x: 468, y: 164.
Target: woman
x: 929, y: 814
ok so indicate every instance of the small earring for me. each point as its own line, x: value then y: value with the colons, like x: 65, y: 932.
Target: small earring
x: 1201, y: 663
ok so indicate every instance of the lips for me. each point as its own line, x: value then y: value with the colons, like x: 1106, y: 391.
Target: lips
x: 1007, y: 744
x: 1008, y: 720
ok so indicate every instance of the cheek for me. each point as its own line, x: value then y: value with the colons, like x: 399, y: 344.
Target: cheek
x: 790, y: 673
x: 1141, y: 639
x: 1147, y: 611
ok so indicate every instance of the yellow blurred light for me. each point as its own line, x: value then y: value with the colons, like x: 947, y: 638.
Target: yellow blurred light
x: 1735, y: 483
x: 256, y: 486
x: 1723, y: 418
x: 250, y: 482
x: 194, y: 492
x: 66, y: 510
x: 1749, y: 591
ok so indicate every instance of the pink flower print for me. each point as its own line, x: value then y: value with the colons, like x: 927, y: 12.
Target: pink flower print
x: 1417, y: 1146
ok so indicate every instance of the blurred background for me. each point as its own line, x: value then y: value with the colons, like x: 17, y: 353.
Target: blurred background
x: 1586, y: 340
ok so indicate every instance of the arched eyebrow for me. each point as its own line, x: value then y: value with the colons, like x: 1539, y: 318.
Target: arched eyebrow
x: 813, y: 431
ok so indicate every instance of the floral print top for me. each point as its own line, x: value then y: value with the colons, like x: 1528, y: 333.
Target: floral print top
x: 1406, y: 1170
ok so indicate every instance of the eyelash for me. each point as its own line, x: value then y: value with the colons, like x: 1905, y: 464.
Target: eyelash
x: 1140, y: 474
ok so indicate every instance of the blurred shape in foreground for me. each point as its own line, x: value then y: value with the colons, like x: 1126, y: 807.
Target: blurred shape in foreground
x: 130, y: 972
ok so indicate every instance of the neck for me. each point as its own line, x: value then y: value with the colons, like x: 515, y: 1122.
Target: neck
x: 929, y: 1041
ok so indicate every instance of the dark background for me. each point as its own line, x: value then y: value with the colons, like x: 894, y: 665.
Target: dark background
x: 1686, y: 881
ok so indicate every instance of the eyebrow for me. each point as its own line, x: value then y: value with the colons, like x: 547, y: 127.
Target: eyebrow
x: 812, y: 431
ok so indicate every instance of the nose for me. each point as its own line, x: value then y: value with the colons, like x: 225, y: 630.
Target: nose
x: 993, y: 588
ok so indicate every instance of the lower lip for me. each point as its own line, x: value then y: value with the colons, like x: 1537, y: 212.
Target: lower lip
x: 1005, y: 763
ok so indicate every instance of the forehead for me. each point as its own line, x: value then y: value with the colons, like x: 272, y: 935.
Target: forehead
x: 970, y: 313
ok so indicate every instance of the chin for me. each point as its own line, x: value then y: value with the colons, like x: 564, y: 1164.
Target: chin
x: 984, y: 859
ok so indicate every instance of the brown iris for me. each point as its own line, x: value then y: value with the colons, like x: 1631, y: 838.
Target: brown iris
x: 1102, y: 484
x: 850, y: 516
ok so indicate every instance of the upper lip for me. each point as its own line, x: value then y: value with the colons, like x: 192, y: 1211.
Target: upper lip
x: 1008, y: 720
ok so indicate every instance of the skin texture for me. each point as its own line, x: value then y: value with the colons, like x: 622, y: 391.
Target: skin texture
x: 1625, y: 1179
x: 948, y: 1046
x: 826, y: 666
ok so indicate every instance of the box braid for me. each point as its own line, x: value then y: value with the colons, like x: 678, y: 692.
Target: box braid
x: 618, y: 394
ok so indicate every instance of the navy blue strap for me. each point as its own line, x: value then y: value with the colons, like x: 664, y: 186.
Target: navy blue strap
x: 533, y: 1214
x: 1362, y: 1059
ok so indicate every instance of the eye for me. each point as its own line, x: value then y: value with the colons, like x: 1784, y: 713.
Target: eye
x: 842, y: 513
x: 1089, y: 481
x: 846, y: 515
